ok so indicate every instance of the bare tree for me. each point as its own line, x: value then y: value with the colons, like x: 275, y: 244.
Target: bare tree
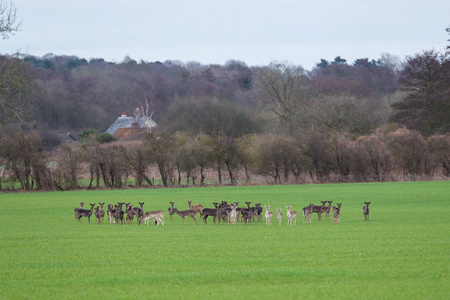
x: 146, y: 110
x: 9, y: 24
x: 225, y: 152
x: 316, y: 147
x: 202, y: 155
x: 283, y: 93
x: 184, y: 161
x: 69, y: 161
x: 160, y: 151
x: 341, y: 156
x: 134, y: 154
x: 15, y: 84
x: 439, y: 146
x: 25, y: 160
x: 278, y: 156
x: 410, y: 152
x: 370, y: 158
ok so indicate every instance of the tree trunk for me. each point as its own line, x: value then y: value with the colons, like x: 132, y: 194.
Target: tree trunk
x: 219, y: 173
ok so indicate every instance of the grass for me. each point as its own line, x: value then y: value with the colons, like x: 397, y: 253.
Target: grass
x: 401, y: 253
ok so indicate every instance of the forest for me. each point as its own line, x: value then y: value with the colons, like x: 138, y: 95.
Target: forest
x: 383, y: 119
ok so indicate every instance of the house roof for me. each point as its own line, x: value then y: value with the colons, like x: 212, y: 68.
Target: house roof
x: 126, y: 122
x: 130, y: 134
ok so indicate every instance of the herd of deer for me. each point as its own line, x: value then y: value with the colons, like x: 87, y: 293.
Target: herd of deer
x: 116, y: 214
x: 221, y: 212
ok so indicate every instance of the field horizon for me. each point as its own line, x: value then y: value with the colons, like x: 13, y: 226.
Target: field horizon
x: 402, y: 252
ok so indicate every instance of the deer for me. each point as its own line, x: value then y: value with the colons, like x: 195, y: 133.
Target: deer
x: 119, y: 213
x: 158, y: 215
x: 210, y: 212
x: 291, y: 215
x: 258, y: 213
x: 336, y: 213
x: 248, y: 214
x: 319, y: 209
x: 139, y: 212
x: 76, y: 209
x: 268, y: 215
x: 307, y: 211
x: 223, y: 212
x: 111, y: 213
x: 280, y: 216
x: 99, y: 212
x: 130, y: 213
x: 255, y: 211
x: 186, y: 213
x: 197, y: 207
x: 171, y: 212
x: 366, y: 211
x: 233, y: 214
x: 327, y: 210
x: 85, y: 213
x: 245, y: 212
x: 238, y: 211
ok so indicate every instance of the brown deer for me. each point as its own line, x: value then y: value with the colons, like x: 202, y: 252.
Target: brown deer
x: 366, y: 211
x: 77, y: 208
x: 268, y: 215
x: 111, y: 213
x: 85, y: 213
x: 186, y: 213
x: 327, y: 210
x: 129, y: 210
x: 291, y: 216
x: 197, y: 207
x: 258, y: 213
x: 336, y: 213
x: 248, y: 214
x: 119, y: 213
x: 280, y: 216
x: 171, y: 212
x: 245, y: 212
x: 139, y: 212
x: 99, y: 212
x: 223, y: 212
x: 210, y: 212
x: 319, y: 209
x: 307, y: 211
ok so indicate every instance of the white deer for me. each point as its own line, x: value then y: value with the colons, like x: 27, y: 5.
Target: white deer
x: 291, y: 216
x: 280, y: 216
x: 158, y: 215
x: 268, y: 215
x: 233, y: 214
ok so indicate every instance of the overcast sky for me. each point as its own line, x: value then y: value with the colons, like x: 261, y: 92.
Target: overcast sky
x: 214, y: 31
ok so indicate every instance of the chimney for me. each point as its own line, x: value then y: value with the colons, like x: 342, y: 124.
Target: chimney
x: 135, y: 125
x: 124, y: 115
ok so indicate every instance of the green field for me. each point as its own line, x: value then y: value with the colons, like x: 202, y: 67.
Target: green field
x: 401, y: 253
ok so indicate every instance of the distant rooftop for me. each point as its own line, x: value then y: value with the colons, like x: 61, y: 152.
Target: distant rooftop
x: 126, y: 122
x: 130, y: 134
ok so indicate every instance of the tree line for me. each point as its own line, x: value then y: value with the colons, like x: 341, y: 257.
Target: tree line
x: 180, y: 159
